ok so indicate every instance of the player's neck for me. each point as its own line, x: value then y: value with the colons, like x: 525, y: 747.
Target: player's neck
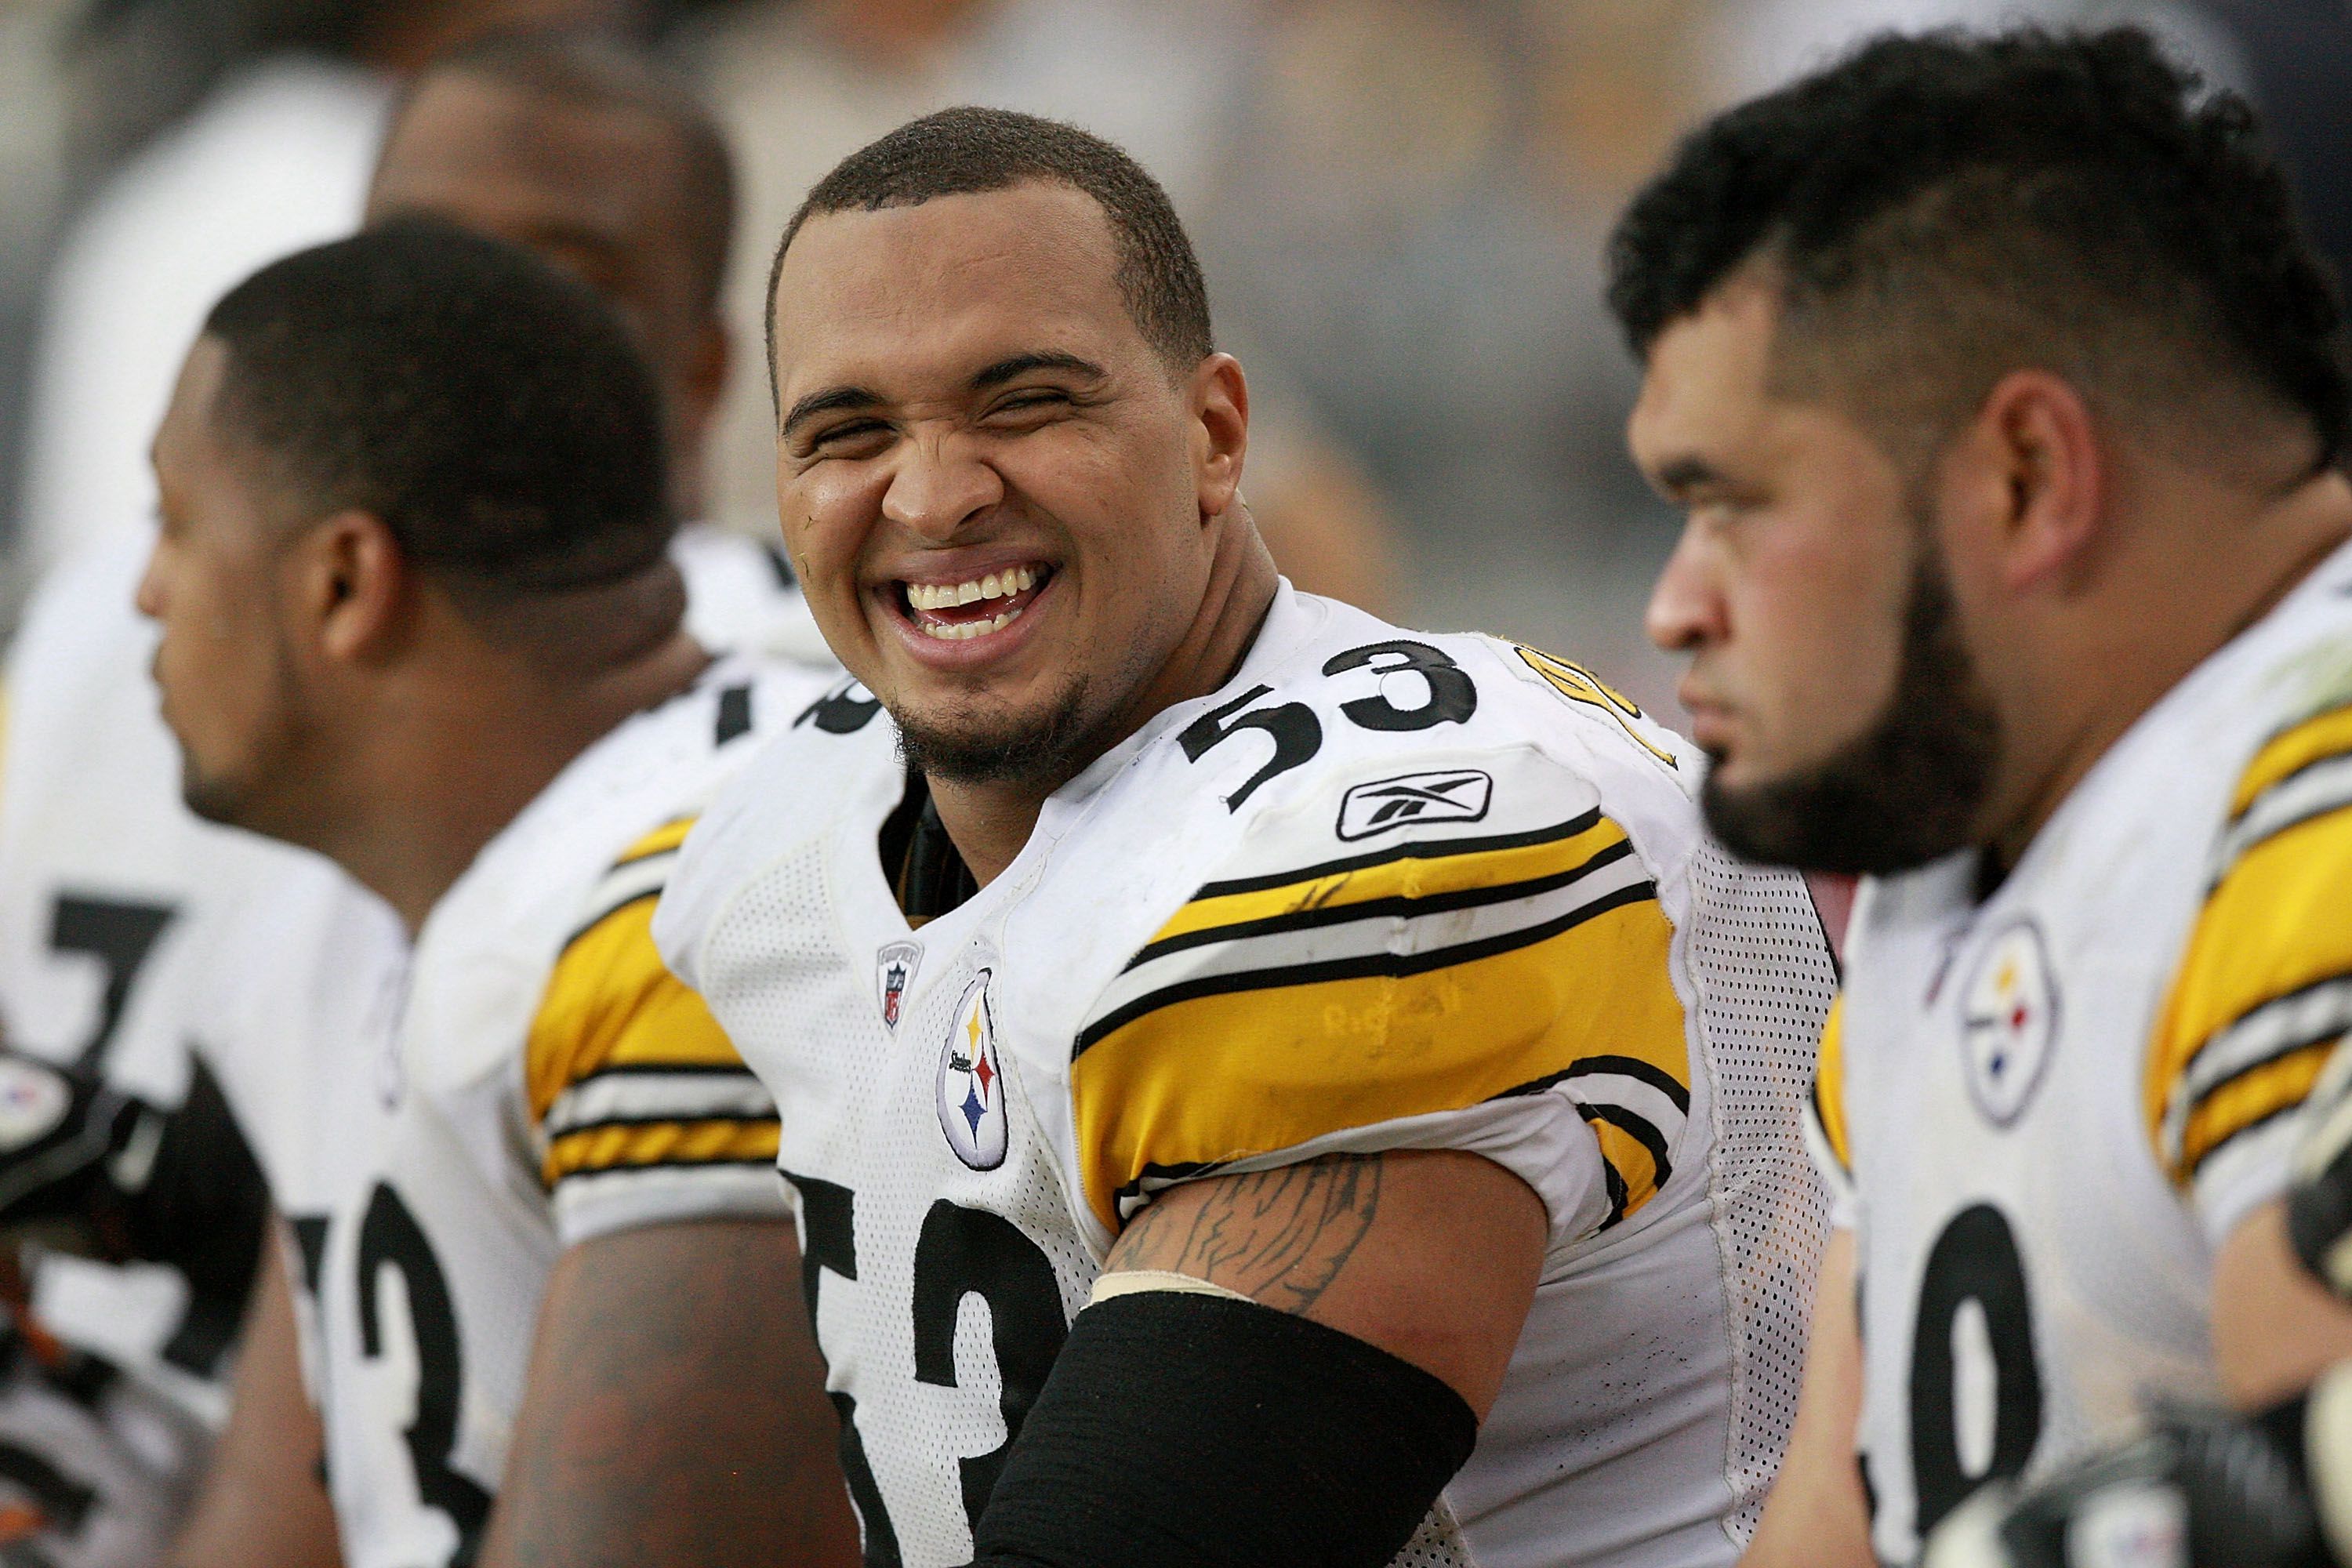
x: 2210, y: 574
x: 990, y: 822
x: 448, y: 776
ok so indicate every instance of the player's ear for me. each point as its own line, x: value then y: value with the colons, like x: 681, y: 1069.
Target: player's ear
x: 2030, y: 472
x: 1220, y: 396
x: 350, y: 581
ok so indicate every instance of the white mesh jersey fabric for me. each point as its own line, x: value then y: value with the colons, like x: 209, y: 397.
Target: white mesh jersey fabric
x: 947, y: 1221
x: 1757, y: 946
x: 2027, y: 1264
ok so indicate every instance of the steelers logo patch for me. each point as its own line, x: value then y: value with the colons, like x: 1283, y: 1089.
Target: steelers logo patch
x: 971, y: 1083
x: 2009, y: 1021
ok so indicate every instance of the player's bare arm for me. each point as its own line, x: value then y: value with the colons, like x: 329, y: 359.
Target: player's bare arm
x: 2275, y: 1327
x: 1817, y: 1515
x: 262, y: 1500
x: 675, y: 1411
x: 1432, y: 1257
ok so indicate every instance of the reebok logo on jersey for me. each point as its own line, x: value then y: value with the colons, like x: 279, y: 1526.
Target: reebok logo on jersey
x: 1457, y: 794
x: 893, y: 970
x: 2008, y: 1017
x: 971, y: 1083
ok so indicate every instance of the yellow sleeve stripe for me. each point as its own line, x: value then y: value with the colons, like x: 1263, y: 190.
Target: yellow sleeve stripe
x: 1829, y: 1085
x: 2267, y: 972
x: 2247, y: 1101
x: 610, y: 1003
x: 2289, y: 751
x: 660, y: 841
x: 1425, y: 872
x: 621, y: 1146
x: 1253, y: 1064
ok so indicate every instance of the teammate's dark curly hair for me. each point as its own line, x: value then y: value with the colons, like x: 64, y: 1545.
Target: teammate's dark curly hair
x: 489, y: 409
x: 1938, y: 210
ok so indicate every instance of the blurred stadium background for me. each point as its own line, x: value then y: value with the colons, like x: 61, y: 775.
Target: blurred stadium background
x: 1400, y: 204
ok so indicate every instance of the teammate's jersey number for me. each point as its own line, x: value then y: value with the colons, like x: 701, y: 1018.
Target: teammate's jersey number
x: 390, y: 1238
x: 961, y: 1252
x: 1975, y: 1332
x: 1297, y: 732
x: 121, y: 934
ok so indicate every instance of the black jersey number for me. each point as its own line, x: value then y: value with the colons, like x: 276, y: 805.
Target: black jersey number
x: 1974, y: 1260
x: 390, y: 1239
x: 1451, y: 697
x: 121, y: 934
x: 962, y: 1252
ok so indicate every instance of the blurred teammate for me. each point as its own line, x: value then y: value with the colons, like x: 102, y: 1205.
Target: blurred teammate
x: 418, y: 616
x: 270, y: 959
x: 2001, y: 391
x: 1313, y: 1045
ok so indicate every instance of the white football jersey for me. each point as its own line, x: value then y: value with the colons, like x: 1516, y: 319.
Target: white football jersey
x: 1380, y: 891
x: 2048, y: 1108
x: 539, y: 1080
x: 130, y: 932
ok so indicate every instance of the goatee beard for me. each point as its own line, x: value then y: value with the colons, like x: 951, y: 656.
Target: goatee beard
x: 1908, y: 791
x: 1046, y: 754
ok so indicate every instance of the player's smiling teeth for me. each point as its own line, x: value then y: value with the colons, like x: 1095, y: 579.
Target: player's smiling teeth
x: 927, y: 600
x: 996, y: 585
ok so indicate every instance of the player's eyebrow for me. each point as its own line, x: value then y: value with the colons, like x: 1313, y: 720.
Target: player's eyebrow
x: 1013, y: 365
x: 832, y: 400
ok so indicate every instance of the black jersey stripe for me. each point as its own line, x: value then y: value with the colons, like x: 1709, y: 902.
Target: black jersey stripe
x: 1380, y: 965
x: 1407, y: 906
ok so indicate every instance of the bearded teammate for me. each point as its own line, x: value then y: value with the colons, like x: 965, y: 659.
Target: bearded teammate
x: 2003, y: 393
x: 1302, y: 1044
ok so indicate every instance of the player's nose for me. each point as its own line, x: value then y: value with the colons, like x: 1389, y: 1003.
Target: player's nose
x: 938, y: 485
x: 1686, y: 609
x: 148, y: 598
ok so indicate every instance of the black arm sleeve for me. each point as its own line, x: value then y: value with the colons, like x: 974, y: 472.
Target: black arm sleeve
x: 1192, y: 1431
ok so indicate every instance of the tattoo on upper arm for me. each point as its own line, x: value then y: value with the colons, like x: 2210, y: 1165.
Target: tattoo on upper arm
x: 1279, y: 1237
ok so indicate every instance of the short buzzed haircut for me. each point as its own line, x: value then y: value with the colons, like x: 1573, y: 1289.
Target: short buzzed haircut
x: 599, y: 74
x: 970, y: 151
x: 1937, y: 211
x: 492, y: 411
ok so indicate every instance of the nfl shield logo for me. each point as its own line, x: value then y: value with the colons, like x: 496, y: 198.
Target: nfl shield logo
x: 893, y: 970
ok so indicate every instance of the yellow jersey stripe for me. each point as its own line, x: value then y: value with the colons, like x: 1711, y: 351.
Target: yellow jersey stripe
x: 610, y: 1003
x: 660, y: 841
x: 2250, y: 1100
x: 1829, y: 1085
x: 1416, y: 869
x: 1202, y: 1077
x: 638, y: 1146
x: 2274, y: 927
x: 2291, y: 750
x: 1636, y: 1158
x: 1382, y: 964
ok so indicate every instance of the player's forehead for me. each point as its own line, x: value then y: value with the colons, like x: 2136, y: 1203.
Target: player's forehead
x: 501, y: 157
x: 905, y: 298
x: 1709, y: 372
x: 183, y: 438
